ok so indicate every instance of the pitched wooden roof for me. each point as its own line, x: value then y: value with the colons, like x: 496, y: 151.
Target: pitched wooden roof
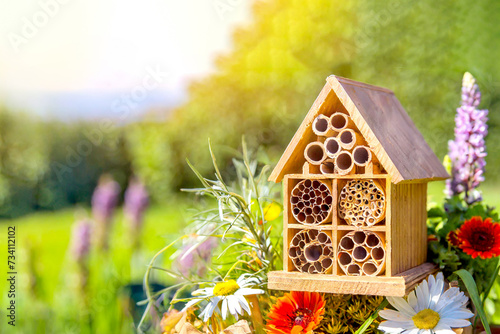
x: 381, y: 120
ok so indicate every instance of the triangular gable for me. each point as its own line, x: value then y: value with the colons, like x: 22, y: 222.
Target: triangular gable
x: 381, y: 120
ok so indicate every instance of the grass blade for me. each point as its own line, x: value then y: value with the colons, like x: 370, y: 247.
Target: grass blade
x: 470, y: 284
x: 374, y: 316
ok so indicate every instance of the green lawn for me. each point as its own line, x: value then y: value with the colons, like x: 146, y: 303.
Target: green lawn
x: 48, y: 235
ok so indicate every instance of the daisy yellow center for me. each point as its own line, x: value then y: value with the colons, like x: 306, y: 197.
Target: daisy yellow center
x: 426, y: 319
x: 226, y: 288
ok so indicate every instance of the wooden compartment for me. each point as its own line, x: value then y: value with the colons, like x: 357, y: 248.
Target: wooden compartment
x: 292, y: 186
x: 380, y: 182
x: 311, y: 250
x: 348, y: 244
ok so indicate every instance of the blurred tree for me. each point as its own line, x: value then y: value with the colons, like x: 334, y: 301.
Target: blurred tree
x: 421, y: 51
x: 265, y: 86
x: 50, y: 165
x: 23, y: 160
x: 151, y: 155
x: 79, y: 154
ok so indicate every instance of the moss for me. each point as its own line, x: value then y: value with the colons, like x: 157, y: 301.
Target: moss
x: 346, y: 313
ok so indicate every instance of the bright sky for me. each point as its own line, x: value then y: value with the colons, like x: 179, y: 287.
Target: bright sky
x: 108, y: 46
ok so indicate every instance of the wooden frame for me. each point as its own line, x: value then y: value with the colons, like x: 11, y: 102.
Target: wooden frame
x: 398, y: 286
x: 380, y: 248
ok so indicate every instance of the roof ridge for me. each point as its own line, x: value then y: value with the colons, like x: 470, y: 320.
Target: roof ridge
x: 359, y: 84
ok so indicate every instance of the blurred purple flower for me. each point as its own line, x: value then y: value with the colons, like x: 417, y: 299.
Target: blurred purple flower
x: 468, y: 151
x: 105, y: 199
x: 194, y: 261
x: 135, y: 203
x: 80, y: 239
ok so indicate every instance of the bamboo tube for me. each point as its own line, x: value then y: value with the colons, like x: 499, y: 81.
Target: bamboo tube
x: 346, y: 243
x: 313, y: 252
x: 348, y: 139
x: 361, y: 155
x: 360, y: 254
x: 345, y: 259
x: 340, y: 121
x: 370, y: 268
x: 323, y: 238
x: 332, y: 147
x: 344, y: 163
x: 354, y: 269
x: 378, y: 254
x: 359, y: 237
x: 321, y: 126
x: 327, y: 166
x: 372, y: 240
x: 310, y: 252
x: 315, y: 153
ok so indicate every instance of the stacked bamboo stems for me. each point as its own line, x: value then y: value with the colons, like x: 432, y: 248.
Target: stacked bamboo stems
x: 362, y: 203
x: 339, y: 148
x: 361, y: 253
x: 311, y: 251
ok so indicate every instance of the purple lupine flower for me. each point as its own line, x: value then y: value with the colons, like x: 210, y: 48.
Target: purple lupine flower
x: 194, y: 261
x: 135, y: 203
x: 105, y: 199
x: 468, y: 151
x: 80, y: 239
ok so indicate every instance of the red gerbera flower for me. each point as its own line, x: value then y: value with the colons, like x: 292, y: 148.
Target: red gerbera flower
x: 296, y: 313
x: 479, y: 238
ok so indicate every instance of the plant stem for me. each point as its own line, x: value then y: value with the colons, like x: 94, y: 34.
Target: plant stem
x: 147, y: 288
x: 257, y: 319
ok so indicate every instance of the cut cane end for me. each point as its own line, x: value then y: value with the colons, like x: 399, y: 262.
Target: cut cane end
x: 315, y: 153
x: 361, y: 155
x: 321, y: 125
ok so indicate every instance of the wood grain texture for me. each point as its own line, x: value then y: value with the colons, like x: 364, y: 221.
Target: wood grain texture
x: 408, y: 226
x: 390, y: 132
x: 293, y: 159
x: 380, y: 118
x: 339, y: 177
x: 388, y: 232
x: 287, y: 238
x: 398, y: 286
x: 415, y: 275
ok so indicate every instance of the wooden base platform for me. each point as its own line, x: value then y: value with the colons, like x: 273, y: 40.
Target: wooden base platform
x: 398, y: 286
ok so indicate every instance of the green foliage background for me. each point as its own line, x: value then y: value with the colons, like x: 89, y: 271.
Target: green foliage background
x: 263, y: 89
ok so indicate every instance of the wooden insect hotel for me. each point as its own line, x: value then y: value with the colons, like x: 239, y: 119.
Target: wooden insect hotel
x: 355, y: 192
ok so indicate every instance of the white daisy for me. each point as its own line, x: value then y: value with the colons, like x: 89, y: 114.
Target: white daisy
x: 232, y: 295
x: 427, y: 310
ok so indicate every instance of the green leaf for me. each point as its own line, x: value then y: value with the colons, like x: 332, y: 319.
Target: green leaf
x: 374, y: 316
x: 436, y: 212
x: 470, y: 284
